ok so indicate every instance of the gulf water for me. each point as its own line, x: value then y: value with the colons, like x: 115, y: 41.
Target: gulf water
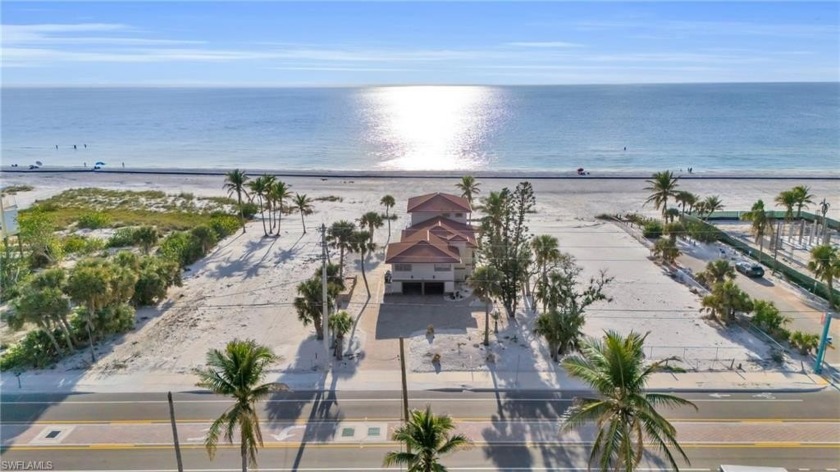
x: 710, y: 127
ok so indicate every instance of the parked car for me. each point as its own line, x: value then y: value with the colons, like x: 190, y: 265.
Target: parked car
x: 750, y: 269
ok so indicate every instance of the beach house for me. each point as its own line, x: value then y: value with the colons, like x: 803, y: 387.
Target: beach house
x: 436, y: 252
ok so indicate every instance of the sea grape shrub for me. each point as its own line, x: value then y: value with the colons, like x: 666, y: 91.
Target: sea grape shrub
x: 94, y: 220
x: 76, y: 244
x: 652, y: 229
x: 154, y: 278
x: 181, y: 247
x: 224, y: 225
x: 249, y: 210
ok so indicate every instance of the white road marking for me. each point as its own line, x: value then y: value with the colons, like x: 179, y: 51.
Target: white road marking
x: 761, y: 398
x: 719, y: 395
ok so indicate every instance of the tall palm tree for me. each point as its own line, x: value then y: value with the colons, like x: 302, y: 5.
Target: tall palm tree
x: 685, y: 199
x: 388, y: 202
x: 762, y: 224
x: 787, y: 199
x: 625, y: 414
x: 269, y: 200
x: 259, y: 188
x: 484, y: 282
x: 371, y: 220
x: 362, y: 243
x: 717, y: 271
x: 340, y: 324
x: 662, y: 186
x: 44, y: 307
x: 469, y: 187
x: 302, y: 204
x: 339, y: 236
x: 711, y: 204
x: 561, y: 331
x: 493, y: 206
x: 235, y: 182
x: 279, y: 194
x: 238, y: 372
x: 546, y: 252
x: 825, y: 264
x: 428, y: 437
x: 803, y: 199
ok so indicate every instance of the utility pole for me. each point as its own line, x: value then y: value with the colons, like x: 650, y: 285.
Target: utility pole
x: 404, y: 383
x: 5, y: 230
x: 823, y: 342
x: 175, y: 433
x: 325, y: 306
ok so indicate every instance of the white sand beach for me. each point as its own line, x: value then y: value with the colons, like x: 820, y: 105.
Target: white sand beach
x: 246, y: 286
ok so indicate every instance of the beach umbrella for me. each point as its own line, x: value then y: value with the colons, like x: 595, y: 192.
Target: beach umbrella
x: 38, y: 163
x: 99, y: 163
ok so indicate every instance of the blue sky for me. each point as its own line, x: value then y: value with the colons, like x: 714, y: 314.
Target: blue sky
x: 333, y: 44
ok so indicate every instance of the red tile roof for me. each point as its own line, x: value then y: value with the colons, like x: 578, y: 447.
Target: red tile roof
x: 444, y: 228
x: 439, y: 202
x: 421, y: 252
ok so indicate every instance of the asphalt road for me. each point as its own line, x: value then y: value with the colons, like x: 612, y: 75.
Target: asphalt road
x: 781, y: 411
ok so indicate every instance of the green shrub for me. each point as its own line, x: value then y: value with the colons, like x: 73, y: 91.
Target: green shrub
x: 76, y: 244
x: 206, y: 237
x: 249, y: 209
x: 181, y: 247
x: 224, y: 225
x: 94, y: 220
x: 34, y: 350
x: 146, y: 237
x: 155, y: 276
x: 123, y: 237
x: 767, y: 316
x: 46, y: 255
x: 652, y: 229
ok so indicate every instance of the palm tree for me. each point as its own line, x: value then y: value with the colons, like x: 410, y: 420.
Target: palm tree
x: 309, y: 304
x: 55, y: 279
x: 825, y: 264
x: 429, y: 436
x: 279, y: 194
x: 484, y: 282
x: 148, y: 236
x: 560, y: 330
x: 803, y: 198
x: 725, y: 300
x: 787, y: 199
x: 237, y: 372
x: 371, y: 220
x: 303, y: 204
x: 469, y: 187
x: 340, y: 236
x: 666, y: 250
x: 269, y: 200
x: 90, y: 285
x: 762, y: 224
x: 662, y: 186
x: 43, y: 306
x: 235, y: 182
x: 546, y: 252
x: 717, y: 271
x: 259, y: 188
x: 361, y: 242
x: 493, y: 206
x: 626, y: 415
x: 340, y: 324
x: 388, y: 202
x: 712, y: 204
x: 685, y: 199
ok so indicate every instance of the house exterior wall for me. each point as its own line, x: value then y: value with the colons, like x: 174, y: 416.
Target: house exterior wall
x: 421, y: 272
x: 421, y: 216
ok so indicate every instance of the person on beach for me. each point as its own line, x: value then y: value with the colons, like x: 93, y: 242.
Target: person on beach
x: 85, y: 164
x: 85, y: 146
x: 56, y: 146
x: 123, y: 165
x: 74, y: 147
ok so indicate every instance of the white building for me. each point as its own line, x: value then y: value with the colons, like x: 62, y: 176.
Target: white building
x: 437, y: 250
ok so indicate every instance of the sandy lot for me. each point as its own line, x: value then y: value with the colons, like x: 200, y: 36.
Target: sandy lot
x: 246, y: 286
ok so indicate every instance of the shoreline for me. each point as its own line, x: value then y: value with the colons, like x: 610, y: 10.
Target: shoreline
x: 400, y: 174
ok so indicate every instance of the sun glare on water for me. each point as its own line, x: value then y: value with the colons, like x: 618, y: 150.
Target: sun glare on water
x: 430, y: 128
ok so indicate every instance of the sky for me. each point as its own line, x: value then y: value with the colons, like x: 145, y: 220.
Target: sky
x: 273, y: 43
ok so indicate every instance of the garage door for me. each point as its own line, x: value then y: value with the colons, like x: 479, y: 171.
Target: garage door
x: 412, y: 288
x: 434, y: 288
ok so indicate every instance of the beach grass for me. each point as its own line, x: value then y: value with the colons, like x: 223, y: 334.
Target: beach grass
x: 15, y: 189
x: 96, y: 208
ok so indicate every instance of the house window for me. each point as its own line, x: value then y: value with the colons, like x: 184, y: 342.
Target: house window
x: 459, y: 215
x: 402, y: 267
x: 446, y: 215
x: 443, y: 267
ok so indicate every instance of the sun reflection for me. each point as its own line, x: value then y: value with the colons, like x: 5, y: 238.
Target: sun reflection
x: 430, y: 127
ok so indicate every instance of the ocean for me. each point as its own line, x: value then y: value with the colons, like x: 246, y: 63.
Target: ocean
x: 619, y: 128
